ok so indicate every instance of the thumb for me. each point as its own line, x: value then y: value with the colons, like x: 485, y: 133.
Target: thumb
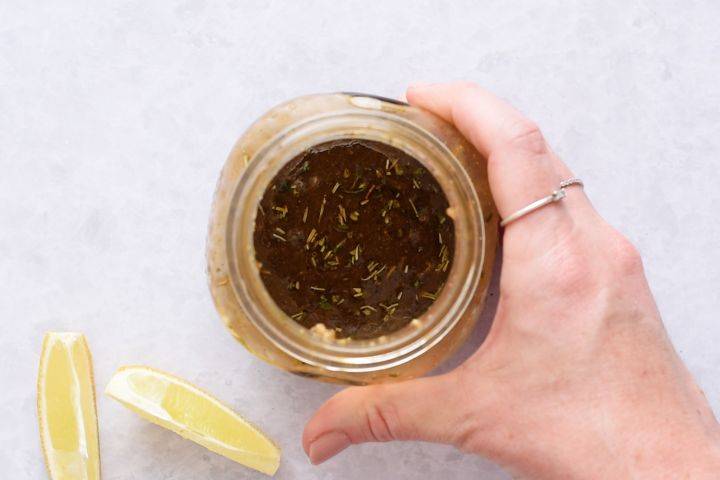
x: 424, y: 409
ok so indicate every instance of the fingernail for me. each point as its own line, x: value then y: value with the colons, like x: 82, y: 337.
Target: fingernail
x: 327, y: 445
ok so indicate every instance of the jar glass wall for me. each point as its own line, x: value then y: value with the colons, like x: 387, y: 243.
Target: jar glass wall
x: 239, y: 293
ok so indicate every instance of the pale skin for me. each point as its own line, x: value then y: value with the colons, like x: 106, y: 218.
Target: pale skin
x: 577, y: 378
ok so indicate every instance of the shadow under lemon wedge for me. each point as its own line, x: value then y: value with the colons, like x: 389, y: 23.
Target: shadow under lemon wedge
x: 66, y: 408
x: 175, y: 404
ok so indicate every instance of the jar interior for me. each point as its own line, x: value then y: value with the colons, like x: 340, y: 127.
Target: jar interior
x: 353, y: 240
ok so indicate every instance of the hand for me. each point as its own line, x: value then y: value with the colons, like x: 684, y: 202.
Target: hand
x: 577, y: 378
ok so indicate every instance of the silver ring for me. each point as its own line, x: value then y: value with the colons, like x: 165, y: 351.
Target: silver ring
x: 555, y: 196
x: 571, y: 181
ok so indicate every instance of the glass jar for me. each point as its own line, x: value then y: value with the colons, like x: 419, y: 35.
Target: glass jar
x: 238, y: 291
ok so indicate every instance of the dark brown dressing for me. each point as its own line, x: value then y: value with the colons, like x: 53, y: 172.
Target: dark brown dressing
x: 354, y: 235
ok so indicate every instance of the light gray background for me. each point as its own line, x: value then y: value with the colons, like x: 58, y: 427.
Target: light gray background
x: 116, y: 117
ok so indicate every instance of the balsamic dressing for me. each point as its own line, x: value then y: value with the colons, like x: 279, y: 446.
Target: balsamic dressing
x: 354, y: 235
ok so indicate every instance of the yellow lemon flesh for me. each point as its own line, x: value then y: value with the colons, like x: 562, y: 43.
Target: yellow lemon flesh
x: 66, y: 408
x: 172, y: 403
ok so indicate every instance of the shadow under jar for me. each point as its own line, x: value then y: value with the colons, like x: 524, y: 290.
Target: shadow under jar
x: 315, y: 309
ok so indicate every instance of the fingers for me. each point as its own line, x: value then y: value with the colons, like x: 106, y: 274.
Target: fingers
x: 485, y: 120
x: 422, y: 409
x: 521, y: 166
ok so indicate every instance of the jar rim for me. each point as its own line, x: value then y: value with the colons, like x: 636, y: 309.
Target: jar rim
x: 411, y: 340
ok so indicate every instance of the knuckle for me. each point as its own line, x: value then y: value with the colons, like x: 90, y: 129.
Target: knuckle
x: 524, y: 134
x: 625, y: 257
x: 382, y: 421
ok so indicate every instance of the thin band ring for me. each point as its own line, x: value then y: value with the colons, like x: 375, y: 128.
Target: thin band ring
x: 571, y: 181
x: 555, y: 196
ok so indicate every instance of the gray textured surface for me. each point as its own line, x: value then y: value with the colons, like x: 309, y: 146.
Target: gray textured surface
x: 116, y: 117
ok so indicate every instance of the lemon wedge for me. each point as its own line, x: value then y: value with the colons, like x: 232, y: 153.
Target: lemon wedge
x: 66, y: 408
x: 175, y: 404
